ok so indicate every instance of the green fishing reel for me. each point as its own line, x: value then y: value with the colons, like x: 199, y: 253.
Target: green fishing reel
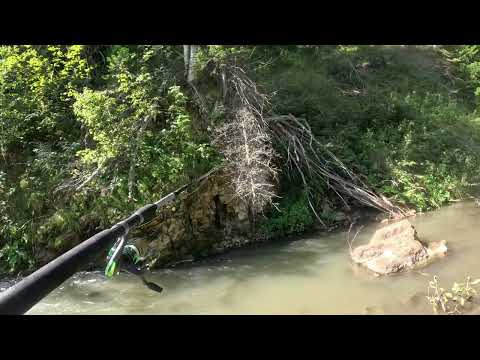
x: 132, y: 253
x: 133, y: 263
x: 119, y: 251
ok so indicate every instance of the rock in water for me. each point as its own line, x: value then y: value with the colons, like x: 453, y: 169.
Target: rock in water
x: 396, y: 248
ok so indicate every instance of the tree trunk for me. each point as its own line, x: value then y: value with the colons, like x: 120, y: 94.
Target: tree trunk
x: 190, y: 57
x: 224, y: 84
x: 186, y: 58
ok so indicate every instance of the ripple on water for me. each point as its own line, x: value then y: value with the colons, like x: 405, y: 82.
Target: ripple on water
x: 308, y: 276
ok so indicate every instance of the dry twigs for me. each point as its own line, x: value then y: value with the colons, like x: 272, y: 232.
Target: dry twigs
x: 246, y: 94
x: 350, y: 242
x: 247, y: 148
x: 246, y: 141
x: 311, y: 159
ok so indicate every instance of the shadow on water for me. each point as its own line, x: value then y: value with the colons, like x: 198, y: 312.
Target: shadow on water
x: 235, y: 271
x: 285, y: 258
x: 232, y: 273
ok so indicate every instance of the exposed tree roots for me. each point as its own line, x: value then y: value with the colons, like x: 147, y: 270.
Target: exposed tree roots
x: 247, y: 141
x: 312, y: 160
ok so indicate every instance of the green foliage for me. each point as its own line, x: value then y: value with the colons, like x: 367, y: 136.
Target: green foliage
x: 141, y: 98
x: 37, y: 134
x: 468, y: 58
x: 294, y: 217
x: 165, y: 154
x: 389, y: 113
x: 431, y: 156
x: 404, y: 117
x: 219, y: 54
x: 453, y: 301
x: 58, y: 125
x: 15, y: 256
x: 36, y: 91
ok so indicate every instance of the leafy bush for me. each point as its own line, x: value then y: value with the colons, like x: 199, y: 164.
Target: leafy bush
x: 77, y: 153
x: 37, y: 134
x: 90, y: 133
x: 453, y: 301
x: 389, y: 113
x: 294, y: 217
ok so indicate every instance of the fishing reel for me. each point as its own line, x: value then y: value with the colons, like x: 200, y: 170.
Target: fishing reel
x: 118, y: 254
x: 127, y: 256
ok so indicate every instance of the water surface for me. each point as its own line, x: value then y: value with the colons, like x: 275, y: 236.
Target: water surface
x: 312, y: 275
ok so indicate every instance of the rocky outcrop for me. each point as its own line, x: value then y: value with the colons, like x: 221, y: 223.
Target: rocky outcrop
x: 206, y: 221
x: 396, y: 248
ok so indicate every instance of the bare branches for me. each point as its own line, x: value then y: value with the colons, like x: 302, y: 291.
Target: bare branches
x: 246, y: 141
x: 249, y: 154
x: 89, y: 179
x: 350, y: 242
x: 245, y: 92
x: 311, y: 159
x: 79, y: 182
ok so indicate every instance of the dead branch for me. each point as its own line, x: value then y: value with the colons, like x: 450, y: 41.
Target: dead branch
x: 350, y: 242
x: 89, y: 178
x: 311, y: 159
x: 247, y: 149
x: 246, y: 141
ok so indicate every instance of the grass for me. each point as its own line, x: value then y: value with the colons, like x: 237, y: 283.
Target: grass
x: 397, y: 115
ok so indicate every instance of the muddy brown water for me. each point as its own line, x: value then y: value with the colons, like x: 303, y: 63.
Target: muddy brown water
x: 312, y: 275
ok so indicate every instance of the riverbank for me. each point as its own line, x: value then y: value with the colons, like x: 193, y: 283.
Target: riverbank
x: 403, y: 119
x: 360, y: 217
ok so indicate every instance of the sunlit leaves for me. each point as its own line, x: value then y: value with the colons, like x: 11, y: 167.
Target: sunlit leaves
x: 453, y: 301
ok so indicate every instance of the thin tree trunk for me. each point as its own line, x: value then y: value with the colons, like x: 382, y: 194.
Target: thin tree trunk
x: 190, y: 57
x: 224, y: 84
x: 186, y: 58
x: 90, y: 177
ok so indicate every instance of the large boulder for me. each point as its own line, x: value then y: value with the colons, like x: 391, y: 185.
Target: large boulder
x: 396, y: 248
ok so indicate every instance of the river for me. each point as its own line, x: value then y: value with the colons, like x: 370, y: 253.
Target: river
x: 312, y: 275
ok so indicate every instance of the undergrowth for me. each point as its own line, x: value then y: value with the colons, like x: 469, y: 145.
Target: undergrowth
x: 401, y: 116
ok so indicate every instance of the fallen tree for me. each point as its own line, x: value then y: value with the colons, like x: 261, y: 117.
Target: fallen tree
x: 311, y: 159
x: 250, y: 135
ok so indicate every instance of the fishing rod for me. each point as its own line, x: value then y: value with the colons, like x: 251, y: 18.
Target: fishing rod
x: 21, y: 297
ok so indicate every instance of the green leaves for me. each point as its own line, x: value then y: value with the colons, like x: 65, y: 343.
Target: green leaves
x: 35, y: 90
x: 468, y: 59
x: 104, y: 117
x: 36, y: 123
x: 64, y: 113
x: 453, y: 301
x: 139, y: 124
x: 292, y: 217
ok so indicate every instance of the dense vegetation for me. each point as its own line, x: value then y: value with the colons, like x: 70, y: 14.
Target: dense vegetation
x: 404, y: 117
x: 90, y: 133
